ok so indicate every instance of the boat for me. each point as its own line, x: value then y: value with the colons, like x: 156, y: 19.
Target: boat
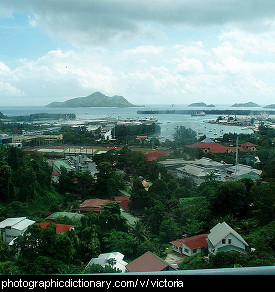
x: 198, y: 114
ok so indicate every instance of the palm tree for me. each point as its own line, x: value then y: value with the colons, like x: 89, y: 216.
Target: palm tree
x: 139, y: 231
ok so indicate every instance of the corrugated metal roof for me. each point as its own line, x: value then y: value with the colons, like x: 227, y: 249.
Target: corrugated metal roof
x: 19, y: 223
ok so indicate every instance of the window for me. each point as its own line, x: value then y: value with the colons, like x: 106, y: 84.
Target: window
x: 223, y: 241
x: 229, y: 241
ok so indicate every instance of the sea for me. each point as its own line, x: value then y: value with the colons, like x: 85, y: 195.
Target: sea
x: 167, y: 122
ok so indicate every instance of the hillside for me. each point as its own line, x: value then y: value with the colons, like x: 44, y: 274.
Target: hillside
x: 201, y: 104
x: 247, y: 104
x: 270, y: 106
x: 96, y: 99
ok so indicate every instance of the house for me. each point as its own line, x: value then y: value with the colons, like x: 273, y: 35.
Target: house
x: 59, y: 164
x: 75, y: 217
x: 249, y: 146
x: 123, y: 200
x: 190, y: 245
x: 209, y: 146
x: 59, y: 227
x: 112, y: 259
x: 11, y: 228
x: 148, y: 262
x: 55, y: 177
x: 244, y: 171
x: 223, y: 238
x: 93, y: 205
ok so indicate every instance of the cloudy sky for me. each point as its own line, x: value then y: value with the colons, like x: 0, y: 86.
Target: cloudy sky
x: 151, y: 52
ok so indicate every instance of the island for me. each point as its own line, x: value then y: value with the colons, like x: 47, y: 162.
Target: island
x: 247, y: 104
x: 201, y: 104
x: 270, y: 106
x: 96, y: 99
x: 38, y: 117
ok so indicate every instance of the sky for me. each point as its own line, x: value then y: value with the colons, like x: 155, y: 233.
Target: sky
x: 150, y: 52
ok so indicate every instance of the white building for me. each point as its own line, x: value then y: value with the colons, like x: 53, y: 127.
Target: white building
x: 223, y: 238
x: 112, y: 259
x: 11, y: 228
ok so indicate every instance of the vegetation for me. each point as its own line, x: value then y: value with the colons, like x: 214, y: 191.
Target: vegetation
x: 167, y: 208
x: 96, y: 99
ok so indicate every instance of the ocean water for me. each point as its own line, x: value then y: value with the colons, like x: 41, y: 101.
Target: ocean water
x: 168, y: 122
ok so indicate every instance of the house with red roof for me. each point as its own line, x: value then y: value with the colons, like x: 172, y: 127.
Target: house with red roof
x: 190, y: 245
x: 93, y: 205
x: 248, y: 146
x: 59, y: 227
x: 209, y: 146
x: 124, y: 201
x: 149, y: 262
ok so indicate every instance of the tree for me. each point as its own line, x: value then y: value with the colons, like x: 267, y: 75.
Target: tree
x: 5, y: 182
x: 230, y: 198
x: 184, y: 136
x: 121, y: 241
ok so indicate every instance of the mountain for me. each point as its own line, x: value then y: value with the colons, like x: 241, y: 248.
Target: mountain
x: 201, y: 104
x: 2, y: 116
x: 270, y: 106
x: 247, y: 104
x: 96, y: 99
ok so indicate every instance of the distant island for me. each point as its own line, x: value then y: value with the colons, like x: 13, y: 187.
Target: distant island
x: 96, y: 99
x: 38, y: 117
x: 270, y: 106
x: 2, y: 116
x: 201, y: 104
x: 247, y: 104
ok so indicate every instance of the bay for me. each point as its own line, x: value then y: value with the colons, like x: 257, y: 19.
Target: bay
x: 168, y: 122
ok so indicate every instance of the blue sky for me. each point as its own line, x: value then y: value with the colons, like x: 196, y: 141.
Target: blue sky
x: 181, y: 51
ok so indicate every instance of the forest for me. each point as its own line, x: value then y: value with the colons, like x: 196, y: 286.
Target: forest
x: 166, y: 211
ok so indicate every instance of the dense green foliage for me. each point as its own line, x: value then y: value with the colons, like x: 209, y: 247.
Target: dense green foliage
x: 167, y: 208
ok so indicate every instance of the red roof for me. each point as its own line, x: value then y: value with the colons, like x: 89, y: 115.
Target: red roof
x: 124, y: 201
x: 248, y: 144
x: 213, y: 147
x: 59, y: 227
x: 93, y: 204
x: 148, y: 262
x: 55, y: 173
x: 155, y: 155
x: 193, y: 242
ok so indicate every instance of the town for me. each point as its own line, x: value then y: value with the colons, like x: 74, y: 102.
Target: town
x: 108, y: 197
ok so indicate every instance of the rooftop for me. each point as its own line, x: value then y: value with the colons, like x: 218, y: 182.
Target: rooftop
x: 148, y: 262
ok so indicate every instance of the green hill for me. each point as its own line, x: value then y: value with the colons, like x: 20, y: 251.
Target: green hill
x: 270, y: 106
x: 247, y: 104
x: 201, y: 104
x: 96, y: 99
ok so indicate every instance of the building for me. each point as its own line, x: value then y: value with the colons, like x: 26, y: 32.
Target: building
x: 112, y: 259
x: 75, y: 217
x: 148, y: 262
x: 11, y: 228
x: 223, y: 238
x: 199, y: 169
x: 28, y: 138
x: 249, y: 146
x: 190, y: 246
x: 82, y: 163
x: 59, y: 164
x: 209, y: 146
x: 5, y: 139
x: 59, y: 227
x: 96, y: 205
x: 240, y: 171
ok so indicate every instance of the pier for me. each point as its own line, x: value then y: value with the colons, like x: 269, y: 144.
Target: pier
x: 209, y: 112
